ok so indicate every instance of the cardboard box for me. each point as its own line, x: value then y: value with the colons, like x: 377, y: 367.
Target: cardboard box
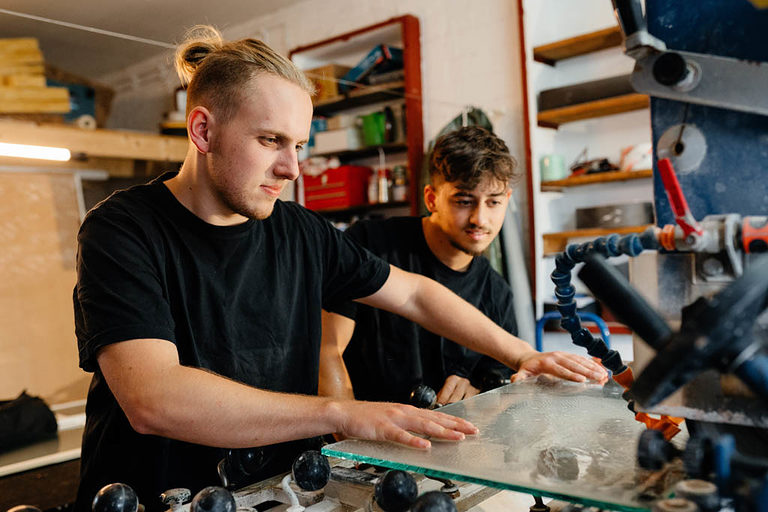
x: 325, y: 80
x: 333, y: 141
x: 340, y: 121
x: 381, y: 59
x: 342, y: 187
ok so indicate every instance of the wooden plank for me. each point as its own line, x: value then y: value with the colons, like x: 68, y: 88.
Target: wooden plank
x: 21, y: 69
x: 22, y: 80
x: 555, y: 242
x: 100, y: 143
x: 21, y: 57
x: 14, y: 44
x: 579, y: 45
x: 605, y: 107
x: 599, y: 177
x: 34, y: 99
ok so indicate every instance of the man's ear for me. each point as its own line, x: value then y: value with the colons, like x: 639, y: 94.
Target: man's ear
x: 199, y: 124
x: 430, y: 198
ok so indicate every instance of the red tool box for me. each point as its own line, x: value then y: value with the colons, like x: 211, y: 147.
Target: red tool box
x: 342, y: 187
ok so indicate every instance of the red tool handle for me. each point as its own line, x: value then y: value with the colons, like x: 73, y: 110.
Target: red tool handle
x: 683, y: 215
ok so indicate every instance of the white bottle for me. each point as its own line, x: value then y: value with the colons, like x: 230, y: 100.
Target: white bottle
x: 373, y: 188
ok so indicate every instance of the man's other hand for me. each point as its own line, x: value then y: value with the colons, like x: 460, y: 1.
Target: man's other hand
x: 383, y: 421
x: 454, y: 389
x: 561, y: 364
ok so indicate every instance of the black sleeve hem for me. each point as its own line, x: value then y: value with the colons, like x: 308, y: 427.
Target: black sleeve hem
x: 89, y: 350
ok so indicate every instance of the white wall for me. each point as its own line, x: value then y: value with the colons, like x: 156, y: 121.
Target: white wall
x: 470, y: 56
x: 469, y: 50
x: 547, y: 21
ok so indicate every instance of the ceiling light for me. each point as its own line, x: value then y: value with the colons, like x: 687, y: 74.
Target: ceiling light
x: 39, y: 152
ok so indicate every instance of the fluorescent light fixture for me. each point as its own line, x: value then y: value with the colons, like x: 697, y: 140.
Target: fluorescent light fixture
x: 39, y: 152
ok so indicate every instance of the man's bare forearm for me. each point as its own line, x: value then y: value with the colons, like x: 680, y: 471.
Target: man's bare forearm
x: 439, y: 310
x: 161, y: 397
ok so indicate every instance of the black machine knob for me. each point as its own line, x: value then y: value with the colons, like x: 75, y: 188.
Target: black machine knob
x: 239, y: 465
x: 115, y: 498
x: 311, y: 470
x: 213, y: 499
x: 174, y: 498
x: 423, y: 397
x: 653, y: 451
x: 433, y: 501
x: 24, y: 508
x: 396, y: 491
x: 670, y: 68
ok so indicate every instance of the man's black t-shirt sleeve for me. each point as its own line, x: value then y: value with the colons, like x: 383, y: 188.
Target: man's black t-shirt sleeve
x: 353, y: 271
x: 118, y: 295
x: 358, y: 237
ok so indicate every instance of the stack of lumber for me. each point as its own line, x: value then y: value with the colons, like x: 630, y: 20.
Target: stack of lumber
x: 22, y: 80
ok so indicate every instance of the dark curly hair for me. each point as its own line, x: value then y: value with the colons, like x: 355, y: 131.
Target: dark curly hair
x: 470, y: 155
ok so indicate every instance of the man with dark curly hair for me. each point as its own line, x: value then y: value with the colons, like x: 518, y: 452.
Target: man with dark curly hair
x: 372, y: 354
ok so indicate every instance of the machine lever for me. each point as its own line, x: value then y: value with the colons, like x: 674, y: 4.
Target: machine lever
x: 683, y: 215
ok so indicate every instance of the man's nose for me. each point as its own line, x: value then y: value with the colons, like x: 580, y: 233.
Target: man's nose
x: 287, y: 165
x: 479, y: 215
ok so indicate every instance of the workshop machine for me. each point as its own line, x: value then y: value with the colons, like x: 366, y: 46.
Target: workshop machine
x: 697, y: 311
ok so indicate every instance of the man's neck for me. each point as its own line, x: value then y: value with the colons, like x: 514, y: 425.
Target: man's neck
x: 441, y: 247
x: 192, y: 190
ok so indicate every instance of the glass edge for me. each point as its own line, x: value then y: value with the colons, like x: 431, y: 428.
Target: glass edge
x: 507, y: 487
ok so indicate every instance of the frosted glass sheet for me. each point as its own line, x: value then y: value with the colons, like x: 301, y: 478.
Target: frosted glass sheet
x: 571, y: 441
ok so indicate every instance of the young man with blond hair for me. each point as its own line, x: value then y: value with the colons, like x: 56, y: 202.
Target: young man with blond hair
x: 199, y: 294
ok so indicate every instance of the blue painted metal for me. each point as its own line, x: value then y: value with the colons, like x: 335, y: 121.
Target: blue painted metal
x: 732, y: 176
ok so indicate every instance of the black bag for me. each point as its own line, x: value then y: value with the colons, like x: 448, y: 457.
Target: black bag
x: 24, y: 420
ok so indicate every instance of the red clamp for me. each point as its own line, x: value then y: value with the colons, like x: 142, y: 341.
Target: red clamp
x: 683, y: 215
x: 669, y: 426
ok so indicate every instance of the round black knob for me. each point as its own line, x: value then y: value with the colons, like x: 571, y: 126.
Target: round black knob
x: 670, y: 69
x: 699, y: 457
x: 115, y: 498
x: 244, y: 462
x: 396, y: 491
x: 423, y: 397
x: 175, y: 497
x: 653, y: 451
x: 213, y: 499
x: 311, y: 470
x: 433, y: 501
x: 24, y: 508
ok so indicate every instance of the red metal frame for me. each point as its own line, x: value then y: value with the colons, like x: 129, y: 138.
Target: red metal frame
x: 410, y: 33
x: 528, y: 163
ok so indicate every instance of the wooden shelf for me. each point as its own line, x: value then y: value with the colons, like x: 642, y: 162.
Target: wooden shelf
x: 604, y: 107
x: 579, y: 45
x: 555, y: 242
x: 591, y: 179
x: 96, y: 143
x: 365, y: 95
x: 398, y: 147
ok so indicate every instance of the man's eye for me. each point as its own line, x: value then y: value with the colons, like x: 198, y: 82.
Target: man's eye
x: 270, y: 140
x: 299, y: 147
x: 464, y: 203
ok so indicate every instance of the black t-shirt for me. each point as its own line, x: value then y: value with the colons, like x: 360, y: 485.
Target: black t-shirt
x: 242, y: 301
x: 389, y: 355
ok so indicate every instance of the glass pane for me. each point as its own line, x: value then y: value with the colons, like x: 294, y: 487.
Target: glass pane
x: 575, y: 442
